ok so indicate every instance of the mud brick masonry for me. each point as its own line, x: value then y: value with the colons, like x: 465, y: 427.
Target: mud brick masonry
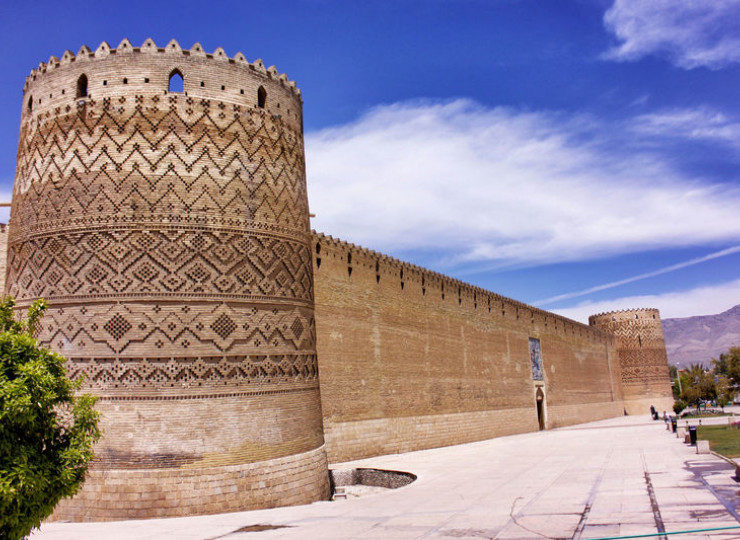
x: 168, y: 228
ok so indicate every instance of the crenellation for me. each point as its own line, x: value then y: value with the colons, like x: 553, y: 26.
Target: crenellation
x: 441, y: 284
x: 124, y: 47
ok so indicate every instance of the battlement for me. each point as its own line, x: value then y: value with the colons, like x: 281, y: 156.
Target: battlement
x: 149, y: 47
x: 411, y: 279
x: 126, y: 75
x: 622, y: 315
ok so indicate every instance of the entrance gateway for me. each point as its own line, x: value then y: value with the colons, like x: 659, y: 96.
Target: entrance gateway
x: 538, y: 376
x: 540, y: 399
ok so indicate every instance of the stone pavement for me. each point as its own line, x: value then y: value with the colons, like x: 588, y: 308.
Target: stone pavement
x: 618, y: 477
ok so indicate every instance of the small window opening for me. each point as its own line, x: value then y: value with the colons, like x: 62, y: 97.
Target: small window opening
x: 318, y: 262
x: 261, y: 97
x: 105, y: 83
x: 423, y: 291
x: 377, y: 278
x: 401, y: 273
x: 62, y: 91
x: 241, y: 91
x: 176, y: 82
x: 402, y: 285
x: 30, y: 104
x: 318, y: 248
x: 349, y: 271
x: 202, y: 84
x: 82, y: 86
x: 223, y: 87
x: 349, y: 258
x: 125, y: 80
x: 146, y: 79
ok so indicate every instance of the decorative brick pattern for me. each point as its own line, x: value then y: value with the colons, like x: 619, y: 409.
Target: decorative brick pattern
x: 169, y: 233
x: 642, y: 357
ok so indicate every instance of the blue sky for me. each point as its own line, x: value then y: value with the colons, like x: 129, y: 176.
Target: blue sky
x: 582, y: 156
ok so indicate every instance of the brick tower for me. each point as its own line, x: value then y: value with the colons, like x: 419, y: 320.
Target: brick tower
x: 642, y: 357
x: 160, y: 208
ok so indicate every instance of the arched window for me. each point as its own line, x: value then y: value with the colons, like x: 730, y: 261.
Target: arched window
x: 261, y: 97
x: 177, y: 82
x: 82, y: 86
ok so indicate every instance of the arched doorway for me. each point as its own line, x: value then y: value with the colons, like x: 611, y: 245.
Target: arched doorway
x: 540, y: 399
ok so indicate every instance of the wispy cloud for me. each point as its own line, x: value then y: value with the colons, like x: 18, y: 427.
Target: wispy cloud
x: 639, y: 277
x: 688, y: 303
x: 691, y: 33
x: 700, y: 123
x: 505, y: 187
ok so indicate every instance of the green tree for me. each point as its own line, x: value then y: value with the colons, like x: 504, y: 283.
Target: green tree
x: 728, y: 364
x: 697, y: 385
x: 723, y: 389
x: 46, y: 431
x: 673, y: 373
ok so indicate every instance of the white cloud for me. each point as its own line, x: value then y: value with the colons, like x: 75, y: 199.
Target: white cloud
x: 700, y: 301
x: 691, y: 33
x: 702, y: 123
x: 6, y: 195
x: 504, y: 186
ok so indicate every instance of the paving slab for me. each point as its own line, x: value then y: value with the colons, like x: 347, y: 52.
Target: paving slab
x: 618, y: 477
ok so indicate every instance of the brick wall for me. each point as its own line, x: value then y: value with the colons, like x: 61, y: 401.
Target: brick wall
x: 411, y: 359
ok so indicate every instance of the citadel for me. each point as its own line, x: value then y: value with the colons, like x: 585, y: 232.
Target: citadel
x: 235, y: 351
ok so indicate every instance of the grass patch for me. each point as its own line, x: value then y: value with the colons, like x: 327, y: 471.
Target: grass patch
x: 706, y: 414
x: 724, y: 440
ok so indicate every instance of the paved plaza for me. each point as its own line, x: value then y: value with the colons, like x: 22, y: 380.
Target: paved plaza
x: 619, y: 477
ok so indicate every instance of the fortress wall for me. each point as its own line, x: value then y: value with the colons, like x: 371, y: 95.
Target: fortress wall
x: 411, y: 359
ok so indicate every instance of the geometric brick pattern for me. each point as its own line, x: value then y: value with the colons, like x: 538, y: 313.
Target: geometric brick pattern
x: 641, y: 350
x: 180, y: 329
x: 218, y: 371
x: 169, y: 232
x: 166, y: 263
x: 146, y: 201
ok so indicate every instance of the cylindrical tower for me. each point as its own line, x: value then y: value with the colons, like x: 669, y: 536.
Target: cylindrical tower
x: 642, y: 357
x: 160, y: 208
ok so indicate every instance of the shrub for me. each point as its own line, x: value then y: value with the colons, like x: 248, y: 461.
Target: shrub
x: 679, y: 405
x: 46, y: 432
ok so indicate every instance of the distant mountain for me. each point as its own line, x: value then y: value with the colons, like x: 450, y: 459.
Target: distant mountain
x: 699, y: 339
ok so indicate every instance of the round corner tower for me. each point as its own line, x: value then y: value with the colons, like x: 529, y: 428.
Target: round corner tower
x: 160, y: 208
x: 642, y: 357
